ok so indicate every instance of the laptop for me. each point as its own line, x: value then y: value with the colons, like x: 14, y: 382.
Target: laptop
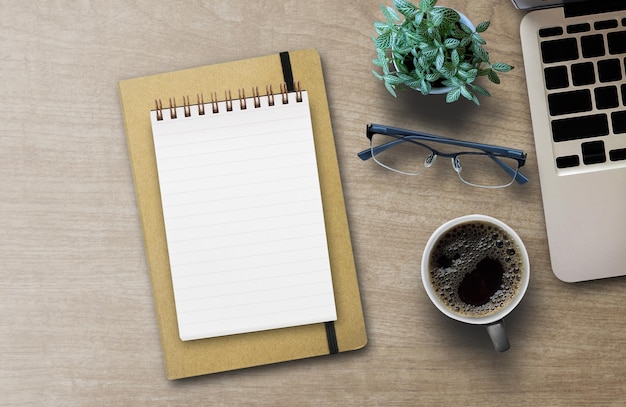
x: 575, y: 59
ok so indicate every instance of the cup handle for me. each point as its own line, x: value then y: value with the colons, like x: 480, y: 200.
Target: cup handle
x: 498, y: 336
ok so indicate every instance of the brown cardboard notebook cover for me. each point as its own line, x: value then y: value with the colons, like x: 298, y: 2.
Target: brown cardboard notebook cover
x: 192, y: 358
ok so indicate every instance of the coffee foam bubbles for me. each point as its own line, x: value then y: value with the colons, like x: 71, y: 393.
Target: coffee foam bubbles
x: 458, y: 252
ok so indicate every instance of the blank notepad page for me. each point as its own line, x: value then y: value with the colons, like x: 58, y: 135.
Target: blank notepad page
x: 243, y: 216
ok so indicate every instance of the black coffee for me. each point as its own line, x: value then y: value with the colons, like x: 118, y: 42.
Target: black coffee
x: 476, y: 268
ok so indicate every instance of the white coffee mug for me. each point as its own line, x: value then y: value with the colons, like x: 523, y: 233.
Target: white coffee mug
x: 492, y: 319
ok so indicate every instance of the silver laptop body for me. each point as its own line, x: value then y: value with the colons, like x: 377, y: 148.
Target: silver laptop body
x: 574, y: 56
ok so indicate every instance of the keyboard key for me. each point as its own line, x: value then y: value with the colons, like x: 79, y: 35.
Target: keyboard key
x: 567, y: 161
x: 570, y: 102
x: 578, y: 28
x: 593, y: 152
x: 550, y: 32
x: 618, y: 154
x: 559, y: 50
x: 583, y: 74
x: 606, y: 97
x: 605, y: 25
x: 619, y: 122
x: 609, y: 70
x: 592, y: 46
x: 556, y: 77
x: 623, y: 89
x: 576, y: 128
x: 617, y: 42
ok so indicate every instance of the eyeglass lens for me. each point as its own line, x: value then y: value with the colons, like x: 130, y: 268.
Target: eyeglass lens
x: 412, y: 158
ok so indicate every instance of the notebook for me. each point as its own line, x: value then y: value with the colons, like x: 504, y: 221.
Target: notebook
x: 244, y: 222
x: 243, y: 214
x: 575, y: 71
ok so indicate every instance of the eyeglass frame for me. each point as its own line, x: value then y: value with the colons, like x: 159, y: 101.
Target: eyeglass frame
x: 489, y: 150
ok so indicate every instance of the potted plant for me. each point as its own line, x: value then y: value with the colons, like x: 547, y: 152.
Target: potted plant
x: 433, y: 49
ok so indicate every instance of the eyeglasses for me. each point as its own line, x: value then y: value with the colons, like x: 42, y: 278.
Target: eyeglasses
x: 482, y: 165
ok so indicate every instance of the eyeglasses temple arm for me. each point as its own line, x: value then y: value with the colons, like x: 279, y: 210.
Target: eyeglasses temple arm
x: 367, y: 153
x: 397, y: 132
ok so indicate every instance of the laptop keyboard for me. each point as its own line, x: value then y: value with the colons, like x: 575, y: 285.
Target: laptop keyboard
x: 585, y: 78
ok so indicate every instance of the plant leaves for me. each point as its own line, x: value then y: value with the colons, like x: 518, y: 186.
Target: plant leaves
x: 383, y: 41
x: 393, y: 79
x: 482, y: 27
x: 480, y: 90
x: 480, y: 53
x: 425, y: 87
x: 432, y: 77
x: 450, y: 16
x: 391, y: 90
x: 477, y: 39
x: 451, y: 43
x: 453, y: 95
x: 454, y: 56
x: 501, y: 67
x: 493, y: 77
x: 405, y: 7
x: 390, y: 14
x: 439, y: 61
x: 466, y: 93
x: 427, y: 5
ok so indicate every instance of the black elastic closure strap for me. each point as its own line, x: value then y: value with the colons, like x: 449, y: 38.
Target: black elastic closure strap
x: 287, y: 72
x: 331, y: 336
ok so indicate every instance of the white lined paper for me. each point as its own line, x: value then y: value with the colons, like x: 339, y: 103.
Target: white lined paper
x: 244, y: 218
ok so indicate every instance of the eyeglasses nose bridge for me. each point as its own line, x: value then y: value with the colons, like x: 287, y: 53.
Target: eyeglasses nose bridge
x: 456, y: 164
x: 430, y: 160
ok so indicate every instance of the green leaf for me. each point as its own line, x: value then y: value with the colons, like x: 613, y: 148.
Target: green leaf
x: 436, y: 18
x: 405, y: 7
x: 466, y: 93
x: 439, y: 61
x: 480, y: 53
x: 482, y: 27
x: 446, y: 72
x: 451, y: 43
x: 391, y: 89
x: 453, y: 95
x: 449, y: 15
x: 393, y: 79
x: 501, y: 67
x: 480, y: 90
x: 427, y: 5
x: 383, y: 41
x: 430, y: 52
x: 379, y: 76
x: 380, y: 27
x: 493, y: 77
x: 433, y: 76
x: 454, y: 56
x: 390, y: 14
x: 425, y: 87
x: 466, y: 28
x: 477, y: 39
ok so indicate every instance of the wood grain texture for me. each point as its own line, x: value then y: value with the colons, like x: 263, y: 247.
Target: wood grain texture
x: 78, y: 326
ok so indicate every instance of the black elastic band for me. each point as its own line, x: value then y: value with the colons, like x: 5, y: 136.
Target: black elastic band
x: 287, y: 72
x: 331, y: 336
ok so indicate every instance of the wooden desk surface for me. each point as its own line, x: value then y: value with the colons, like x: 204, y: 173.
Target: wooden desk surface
x: 78, y: 325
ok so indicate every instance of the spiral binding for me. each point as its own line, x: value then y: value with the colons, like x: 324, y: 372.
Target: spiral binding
x: 283, y: 96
